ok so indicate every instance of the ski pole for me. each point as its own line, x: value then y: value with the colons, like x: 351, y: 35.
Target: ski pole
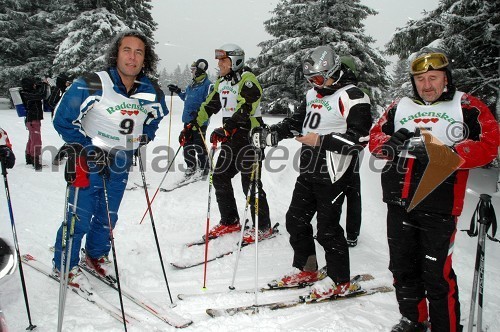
x: 256, y: 214
x: 16, y: 245
x: 170, y: 118
x: 212, y: 152
x: 113, y: 250
x: 161, y: 182
x: 485, y: 216
x: 141, y: 168
x: 247, y: 204
x: 67, y: 241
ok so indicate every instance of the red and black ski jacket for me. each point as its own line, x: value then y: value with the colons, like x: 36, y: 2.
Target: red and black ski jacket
x: 401, y: 176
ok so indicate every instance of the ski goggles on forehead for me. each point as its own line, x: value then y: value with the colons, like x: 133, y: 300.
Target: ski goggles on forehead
x: 422, y: 64
x: 221, y: 54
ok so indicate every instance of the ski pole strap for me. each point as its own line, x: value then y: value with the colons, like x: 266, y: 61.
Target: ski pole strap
x: 484, y: 214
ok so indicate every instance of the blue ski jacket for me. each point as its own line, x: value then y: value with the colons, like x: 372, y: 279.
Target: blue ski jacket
x: 193, y: 96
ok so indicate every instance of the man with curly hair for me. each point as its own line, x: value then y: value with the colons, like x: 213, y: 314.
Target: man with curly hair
x: 104, y: 117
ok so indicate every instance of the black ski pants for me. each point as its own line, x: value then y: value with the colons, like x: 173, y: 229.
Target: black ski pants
x: 231, y: 161
x: 195, y: 151
x: 353, y: 198
x: 421, y: 247
x: 324, y: 199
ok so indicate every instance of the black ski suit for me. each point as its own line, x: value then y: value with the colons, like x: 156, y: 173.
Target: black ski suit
x: 319, y: 188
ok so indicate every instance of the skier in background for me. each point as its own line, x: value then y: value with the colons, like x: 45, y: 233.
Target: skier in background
x: 104, y: 117
x: 421, y: 240
x: 33, y: 94
x: 194, y: 141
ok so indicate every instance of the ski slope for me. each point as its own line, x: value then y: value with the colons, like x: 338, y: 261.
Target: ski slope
x: 180, y: 217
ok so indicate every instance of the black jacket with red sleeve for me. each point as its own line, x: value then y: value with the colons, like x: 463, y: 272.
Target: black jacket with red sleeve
x: 401, y: 176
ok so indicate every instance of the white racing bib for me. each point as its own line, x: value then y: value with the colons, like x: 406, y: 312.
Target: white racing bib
x: 115, y: 121
x: 444, y: 120
x: 228, y: 95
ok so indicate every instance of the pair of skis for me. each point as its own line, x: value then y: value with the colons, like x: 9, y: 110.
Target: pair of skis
x: 185, y: 265
x: 166, y: 315
x: 300, y: 300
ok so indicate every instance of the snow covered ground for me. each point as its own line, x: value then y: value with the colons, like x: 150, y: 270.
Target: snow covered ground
x: 180, y: 216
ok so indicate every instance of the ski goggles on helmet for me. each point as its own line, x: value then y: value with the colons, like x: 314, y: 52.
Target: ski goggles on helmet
x: 422, y: 64
x: 221, y: 54
x: 319, y: 79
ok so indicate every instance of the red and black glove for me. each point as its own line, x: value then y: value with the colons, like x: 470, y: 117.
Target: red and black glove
x: 220, y: 135
x: 186, y: 134
x: 76, y: 172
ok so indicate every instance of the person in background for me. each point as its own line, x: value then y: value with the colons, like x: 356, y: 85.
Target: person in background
x: 237, y: 93
x: 330, y: 123
x: 195, y: 150
x: 421, y: 239
x: 33, y: 94
x: 57, y: 90
x: 104, y: 117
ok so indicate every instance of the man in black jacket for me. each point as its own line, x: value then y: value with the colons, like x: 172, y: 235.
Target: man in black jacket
x: 333, y: 119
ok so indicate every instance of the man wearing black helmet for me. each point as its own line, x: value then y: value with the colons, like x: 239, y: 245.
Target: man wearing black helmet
x: 330, y: 124
x: 237, y: 94
x: 192, y: 140
x: 459, y: 132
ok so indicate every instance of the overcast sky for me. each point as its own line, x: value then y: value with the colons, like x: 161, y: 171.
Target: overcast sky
x: 192, y: 29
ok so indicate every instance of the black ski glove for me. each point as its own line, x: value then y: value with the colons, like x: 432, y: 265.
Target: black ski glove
x: 260, y: 137
x: 396, y: 142
x: 174, y: 88
x: 7, y: 157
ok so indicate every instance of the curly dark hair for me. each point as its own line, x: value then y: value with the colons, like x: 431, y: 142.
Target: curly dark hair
x: 150, y: 59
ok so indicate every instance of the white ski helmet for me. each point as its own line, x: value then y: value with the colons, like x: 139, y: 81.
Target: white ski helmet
x: 233, y: 52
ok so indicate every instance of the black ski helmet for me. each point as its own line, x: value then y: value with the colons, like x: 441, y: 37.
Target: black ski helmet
x: 200, y: 66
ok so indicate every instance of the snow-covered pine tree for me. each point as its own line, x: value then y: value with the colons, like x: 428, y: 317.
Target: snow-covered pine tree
x: 298, y: 26
x: 27, y: 44
x: 468, y: 31
x: 52, y: 36
x: 400, y: 86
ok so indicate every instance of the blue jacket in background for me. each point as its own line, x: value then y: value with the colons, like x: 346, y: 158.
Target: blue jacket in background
x: 194, y: 95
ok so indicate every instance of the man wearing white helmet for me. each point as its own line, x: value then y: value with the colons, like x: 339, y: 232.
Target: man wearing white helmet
x: 237, y: 93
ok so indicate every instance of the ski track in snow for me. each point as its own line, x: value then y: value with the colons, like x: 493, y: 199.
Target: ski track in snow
x: 180, y: 217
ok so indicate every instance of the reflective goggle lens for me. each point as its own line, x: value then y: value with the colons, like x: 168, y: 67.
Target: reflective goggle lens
x: 422, y: 64
x: 220, y: 54
x: 317, y: 80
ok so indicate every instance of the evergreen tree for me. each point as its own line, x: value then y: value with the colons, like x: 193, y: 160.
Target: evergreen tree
x: 27, y: 49
x: 298, y: 26
x: 470, y: 32
x: 401, y: 85
x: 46, y: 37
x: 87, y: 38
